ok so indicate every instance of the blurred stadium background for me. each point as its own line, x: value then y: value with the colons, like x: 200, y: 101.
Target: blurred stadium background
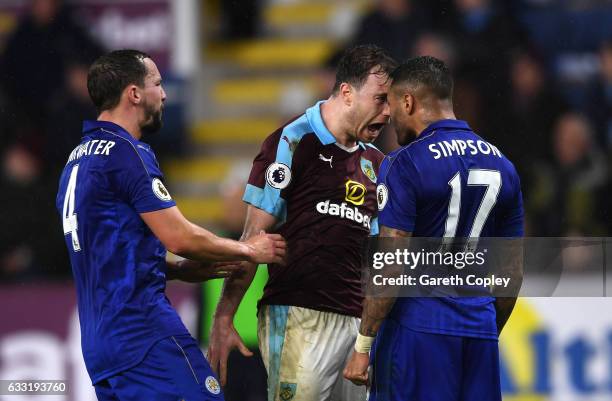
x: 532, y: 76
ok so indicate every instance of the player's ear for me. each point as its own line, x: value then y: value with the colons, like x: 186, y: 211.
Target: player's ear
x: 409, y: 103
x: 346, y: 93
x: 133, y: 94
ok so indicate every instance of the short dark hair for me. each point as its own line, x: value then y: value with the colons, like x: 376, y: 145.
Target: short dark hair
x: 356, y: 62
x: 428, y: 72
x: 110, y: 74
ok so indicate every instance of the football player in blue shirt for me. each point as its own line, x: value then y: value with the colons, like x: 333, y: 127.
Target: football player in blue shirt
x: 445, y: 181
x: 119, y: 219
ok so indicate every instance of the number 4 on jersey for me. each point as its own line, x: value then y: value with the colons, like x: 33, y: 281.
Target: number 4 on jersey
x: 69, y: 218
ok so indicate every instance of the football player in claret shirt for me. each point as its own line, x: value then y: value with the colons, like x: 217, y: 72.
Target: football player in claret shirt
x: 118, y: 221
x: 445, y: 182
x: 314, y: 180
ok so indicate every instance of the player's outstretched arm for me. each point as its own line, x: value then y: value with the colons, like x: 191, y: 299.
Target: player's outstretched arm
x: 375, y: 310
x: 223, y: 335
x: 191, y: 271
x: 190, y: 241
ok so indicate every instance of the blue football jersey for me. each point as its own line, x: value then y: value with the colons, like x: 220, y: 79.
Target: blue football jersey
x: 450, y: 183
x: 117, y: 262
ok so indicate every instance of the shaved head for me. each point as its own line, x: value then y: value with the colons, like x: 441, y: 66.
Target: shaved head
x: 421, y: 93
x: 424, y: 77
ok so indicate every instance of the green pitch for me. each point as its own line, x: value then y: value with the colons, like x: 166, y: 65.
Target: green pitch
x: 245, y: 320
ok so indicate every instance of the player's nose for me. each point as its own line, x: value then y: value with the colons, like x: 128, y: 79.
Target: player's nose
x: 386, y: 110
x: 163, y: 95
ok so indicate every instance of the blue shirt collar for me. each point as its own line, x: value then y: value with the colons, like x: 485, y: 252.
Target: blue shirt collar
x: 446, y: 125
x: 313, y: 115
x: 91, y: 125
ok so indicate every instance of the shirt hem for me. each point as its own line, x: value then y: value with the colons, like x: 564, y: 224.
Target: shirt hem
x: 112, y: 372
x: 338, y: 311
x: 456, y: 333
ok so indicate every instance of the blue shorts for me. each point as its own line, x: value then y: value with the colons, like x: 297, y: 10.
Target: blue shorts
x: 174, y: 369
x: 413, y: 366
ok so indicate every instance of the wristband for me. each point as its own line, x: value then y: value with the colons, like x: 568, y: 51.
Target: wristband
x: 363, y: 344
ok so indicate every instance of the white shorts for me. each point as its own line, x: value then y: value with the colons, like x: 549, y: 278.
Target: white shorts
x: 305, y: 352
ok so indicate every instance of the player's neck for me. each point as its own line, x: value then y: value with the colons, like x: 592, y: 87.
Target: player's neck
x: 331, y: 112
x: 128, y: 123
x: 430, y: 117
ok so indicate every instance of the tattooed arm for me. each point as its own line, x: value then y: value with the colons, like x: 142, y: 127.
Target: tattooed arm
x: 375, y: 310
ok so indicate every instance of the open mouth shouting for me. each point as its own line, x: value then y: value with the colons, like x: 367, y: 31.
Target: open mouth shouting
x: 375, y: 128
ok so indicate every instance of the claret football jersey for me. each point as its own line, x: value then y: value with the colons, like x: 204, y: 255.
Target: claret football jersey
x: 323, y: 196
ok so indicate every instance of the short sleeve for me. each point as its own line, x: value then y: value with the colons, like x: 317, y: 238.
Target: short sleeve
x: 138, y: 181
x: 374, y: 230
x: 271, y: 175
x: 397, y: 193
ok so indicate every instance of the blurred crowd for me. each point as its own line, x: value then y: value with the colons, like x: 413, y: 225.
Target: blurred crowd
x: 43, y: 100
x: 514, y: 88
x: 534, y: 77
